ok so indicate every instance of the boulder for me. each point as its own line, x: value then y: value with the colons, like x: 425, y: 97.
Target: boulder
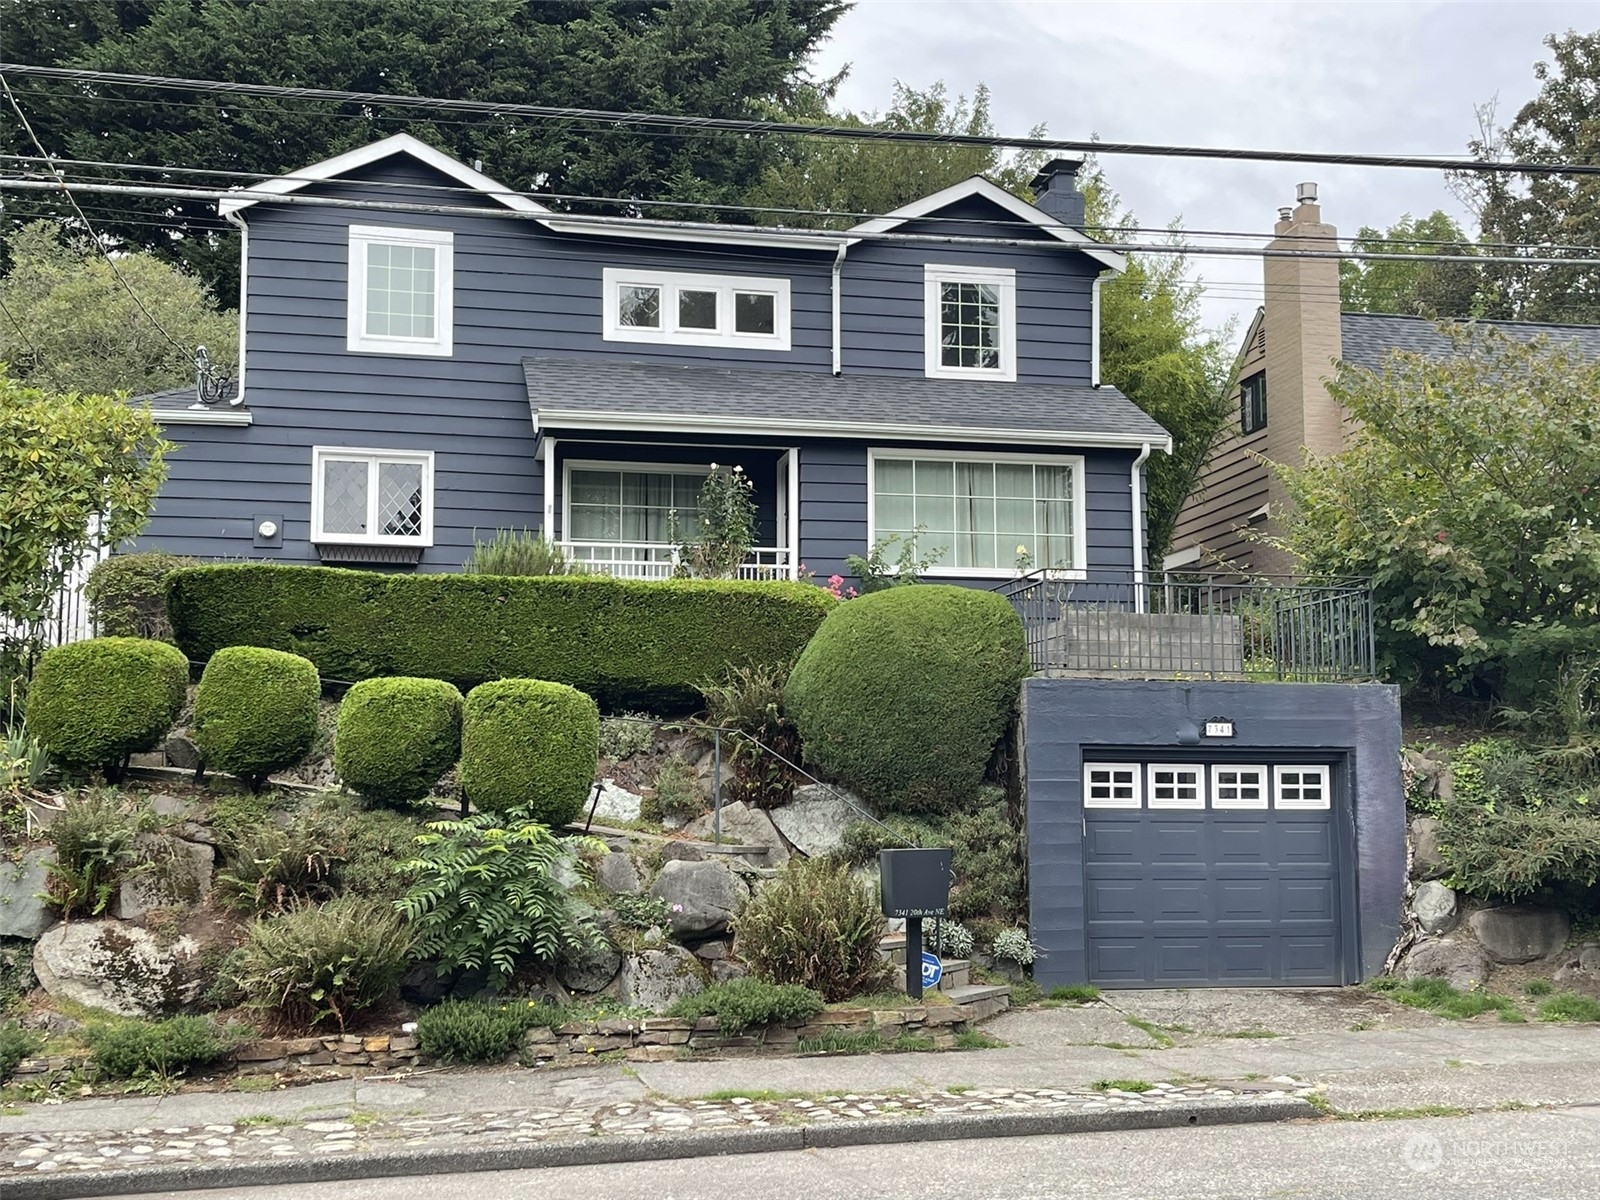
x: 1589, y: 957
x: 589, y: 971
x: 1460, y: 964
x: 682, y: 852
x: 1434, y: 907
x: 616, y: 803
x: 742, y: 826
x: 703, y: 897
x: 815, y: 820
x: 118, y: 967
x: 180, y: 873
x: 22, y: 913
x: 724, y: 970
x: 162, y: 805
x: 617, y: 874
x: 181, y: 752
x: 423, y: 985
x: 1427, y: 861
x: 654, y: 979
x: 1517, y: 933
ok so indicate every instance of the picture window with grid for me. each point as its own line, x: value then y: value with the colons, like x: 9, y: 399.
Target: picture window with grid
x: 1238, y: 787
x: 401, y: 293
x: 1111, y: 785
x: 971, y: 322
x: 1176, y: 787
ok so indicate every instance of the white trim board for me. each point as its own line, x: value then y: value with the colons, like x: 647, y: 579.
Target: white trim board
x: 198, y: 414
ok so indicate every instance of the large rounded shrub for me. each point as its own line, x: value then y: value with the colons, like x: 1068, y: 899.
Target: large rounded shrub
x: 531, y: 746
x: 255, y: 711
x: 903, y: 693
x: 93, y: 703
x: 395, y: 737
x: 127, y: 593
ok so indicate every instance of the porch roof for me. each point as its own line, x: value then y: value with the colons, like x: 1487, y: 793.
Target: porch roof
x: 619, y: 394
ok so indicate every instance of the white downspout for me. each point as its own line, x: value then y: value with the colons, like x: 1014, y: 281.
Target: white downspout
x: 1136, y: 485
x: 838, y: 345
x: 1094, y: 335
x: 234, y: 218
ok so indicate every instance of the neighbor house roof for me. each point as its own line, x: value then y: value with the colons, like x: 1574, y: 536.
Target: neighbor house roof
x: 1369, y: 338
x: 567, y: 393
x: 181, y: 406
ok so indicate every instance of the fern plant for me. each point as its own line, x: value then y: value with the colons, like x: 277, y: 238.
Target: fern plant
x: 485, y: 893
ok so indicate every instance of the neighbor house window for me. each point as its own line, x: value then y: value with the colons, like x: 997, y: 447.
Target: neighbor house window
x: 401, y: 291
x: 627, y: 512
x: 696, y: 310
x: 971, y: 322
x: 1253, y: 403
x: 371, y: 497
x: 980, y: 515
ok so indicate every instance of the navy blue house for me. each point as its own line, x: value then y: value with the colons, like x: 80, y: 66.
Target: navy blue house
x: 412, y: 378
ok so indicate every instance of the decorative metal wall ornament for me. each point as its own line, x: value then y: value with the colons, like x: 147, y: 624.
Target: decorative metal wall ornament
x: 211, y: 384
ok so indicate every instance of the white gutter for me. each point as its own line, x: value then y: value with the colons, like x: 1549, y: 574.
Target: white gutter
x: 233, y: 218
x: 1136, y: 485
x: 1094, y: 331
x: 838, y: 345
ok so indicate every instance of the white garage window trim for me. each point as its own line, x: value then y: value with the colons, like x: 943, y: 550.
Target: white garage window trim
x: 363, y: 497
x: 1176, y: 785
x: 1301, y: 788
x: 1113, y: 785
x: 1238, y: 786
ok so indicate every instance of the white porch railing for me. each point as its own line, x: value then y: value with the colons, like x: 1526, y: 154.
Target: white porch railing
x: 658, y: 560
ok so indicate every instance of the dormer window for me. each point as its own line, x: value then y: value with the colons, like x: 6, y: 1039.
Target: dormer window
x: 680, y: 309
x: 401, y: 296
x: 971, y: 322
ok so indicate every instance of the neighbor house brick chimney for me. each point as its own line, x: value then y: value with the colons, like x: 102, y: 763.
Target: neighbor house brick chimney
x: 1301, y: 322
x: 1055, y: 190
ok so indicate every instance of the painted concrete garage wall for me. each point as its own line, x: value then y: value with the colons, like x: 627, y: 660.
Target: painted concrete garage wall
x: 1063, y: 719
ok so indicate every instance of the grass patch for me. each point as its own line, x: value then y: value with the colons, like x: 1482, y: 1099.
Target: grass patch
x: 1538, y: 987
x: 833, y: 1042
x: 1253, y: 1034
x: 758, y: 1095
x: 1402, y: 1114
x: 261, y: 1120
x: 977, y: 1039
x: 1162, y: 1039
x: 1568, y: 1006
x: 909, y: 1042
x: 1077, y: 993
x: 1121, y: 1085
x: 959, y: 1089
x: 1024, y: 991
x: 1454, y: 1062
x: 254, y: 1083
x: 1362, y: 1026
x: 1437, y: 996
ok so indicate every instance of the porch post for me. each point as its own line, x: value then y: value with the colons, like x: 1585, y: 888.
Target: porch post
x: 794, y: 512
x: 549, y: 529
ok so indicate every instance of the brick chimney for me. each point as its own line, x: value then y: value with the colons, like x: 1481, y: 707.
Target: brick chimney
x: 1301, y: 323
x: 1055, y: 190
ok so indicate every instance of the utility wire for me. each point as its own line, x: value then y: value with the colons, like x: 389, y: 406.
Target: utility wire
x: 10, y: 316
x: 859, y: 133
x: 87, y: 224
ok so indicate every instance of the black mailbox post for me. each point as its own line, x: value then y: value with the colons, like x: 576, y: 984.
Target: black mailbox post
x: 916, y: 884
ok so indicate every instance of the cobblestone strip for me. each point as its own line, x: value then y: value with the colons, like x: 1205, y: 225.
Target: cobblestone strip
x: 268, y: 1138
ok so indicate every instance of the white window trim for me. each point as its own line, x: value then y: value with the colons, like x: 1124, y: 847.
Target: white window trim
x: 1004, y: 281
x: 1135, y: 771
x: 1321, y: 771
x: 322, y: 454
x: 1239, y: 805
x: 601, y: 464
x: 1199, y: 801
x: 442, y: 242
x: 614, y: 279
x: 1080, y: 549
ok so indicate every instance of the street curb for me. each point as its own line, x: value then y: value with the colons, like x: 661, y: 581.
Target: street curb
x: 597, y: 1151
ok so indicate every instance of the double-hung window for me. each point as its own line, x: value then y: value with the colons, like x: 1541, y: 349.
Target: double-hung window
x: 675, y: 308
x: 371, y: 497
x: 401, y: 291
x: 980, y: 515
x: 1253, y: 403
x: 970, y: 322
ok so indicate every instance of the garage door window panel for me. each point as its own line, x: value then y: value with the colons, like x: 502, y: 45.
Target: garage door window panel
x: 1177, y: 786
x: 1301, y: 788
x: 1112, y: 785
x: 1238, y: 787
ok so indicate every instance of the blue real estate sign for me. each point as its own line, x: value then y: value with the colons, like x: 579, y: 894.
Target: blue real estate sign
x: 932, y: 970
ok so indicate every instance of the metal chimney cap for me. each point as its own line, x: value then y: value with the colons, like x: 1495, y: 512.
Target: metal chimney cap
x: 1306, y: 193
x: 1285, y: 213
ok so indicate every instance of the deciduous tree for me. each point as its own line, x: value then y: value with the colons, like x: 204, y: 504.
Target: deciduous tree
x: 1448, y: 287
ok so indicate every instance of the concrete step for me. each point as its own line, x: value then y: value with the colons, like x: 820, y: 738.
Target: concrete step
x: 978, y: 991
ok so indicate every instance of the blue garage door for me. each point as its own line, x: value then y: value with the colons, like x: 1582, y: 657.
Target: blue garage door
x: 1212, y: 873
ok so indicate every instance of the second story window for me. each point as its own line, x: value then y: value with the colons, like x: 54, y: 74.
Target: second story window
x: 971, y: 316
x: 401, y: 297
x: 1253, y: 403
x: 695, y: 310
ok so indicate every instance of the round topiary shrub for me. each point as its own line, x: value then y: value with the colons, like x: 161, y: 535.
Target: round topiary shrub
x: 255, y: 711
x: 395, y: 737
x: 531, y: 746
x: 903, y: 693
x: 93, y: 703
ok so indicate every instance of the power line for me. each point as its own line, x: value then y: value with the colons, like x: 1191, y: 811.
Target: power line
x: 861, y: 133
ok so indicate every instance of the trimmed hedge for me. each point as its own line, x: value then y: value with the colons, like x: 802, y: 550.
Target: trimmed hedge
x: 95, y: 702
x: 395, y: 737
x: 127, y: 593
x: 255, y: 711
x: 529, y: 745
x: 625, y: 642
x: 903, y: 693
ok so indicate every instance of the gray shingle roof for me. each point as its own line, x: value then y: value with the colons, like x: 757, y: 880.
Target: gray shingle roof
x: 1369, y: 337
x: 574, y: 393
x: 182, y: 397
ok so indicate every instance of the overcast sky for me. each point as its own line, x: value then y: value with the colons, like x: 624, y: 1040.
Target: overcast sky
x: 1360, y: 77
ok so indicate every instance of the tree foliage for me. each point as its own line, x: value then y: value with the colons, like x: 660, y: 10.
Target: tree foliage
x: 1446, y: 288
x: 1470, y: 499
x: 724, y: 58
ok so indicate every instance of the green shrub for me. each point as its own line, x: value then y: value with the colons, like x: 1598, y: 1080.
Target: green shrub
x: 16, y: 1044
x: 1569, y: 1006
x: 95, y: 838
x: 1517, y: 851
x: 325, y: 962
x: 486, y: 892
x: 138, y: 1049
x: 510, y: 552
x: 626, y: 642
x: 749, y: 700
x: 127, y: 594
x: 814, y: 925
x: 396, y: 737
x: 741, y: 1003
x: 95, y: 702
x: 676, y: 797
x: 624, y: 736
x: 640, y: 911
x: 480, y: 1030
x: 1538, y: 987
x: 530, y: 747
x: 255, y: 712
x: 903, y: 693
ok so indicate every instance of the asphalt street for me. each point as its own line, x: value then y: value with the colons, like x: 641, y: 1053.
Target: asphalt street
x: 1516, y: 1155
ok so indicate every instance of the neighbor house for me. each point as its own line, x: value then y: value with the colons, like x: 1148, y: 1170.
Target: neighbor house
x: 446, y: 358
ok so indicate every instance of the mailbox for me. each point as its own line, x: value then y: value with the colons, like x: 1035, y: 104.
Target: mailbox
x: 916, y: 883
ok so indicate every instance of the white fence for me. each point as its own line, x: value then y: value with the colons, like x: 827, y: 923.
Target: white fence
x: 658, y: 560
x: 68, y: 616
